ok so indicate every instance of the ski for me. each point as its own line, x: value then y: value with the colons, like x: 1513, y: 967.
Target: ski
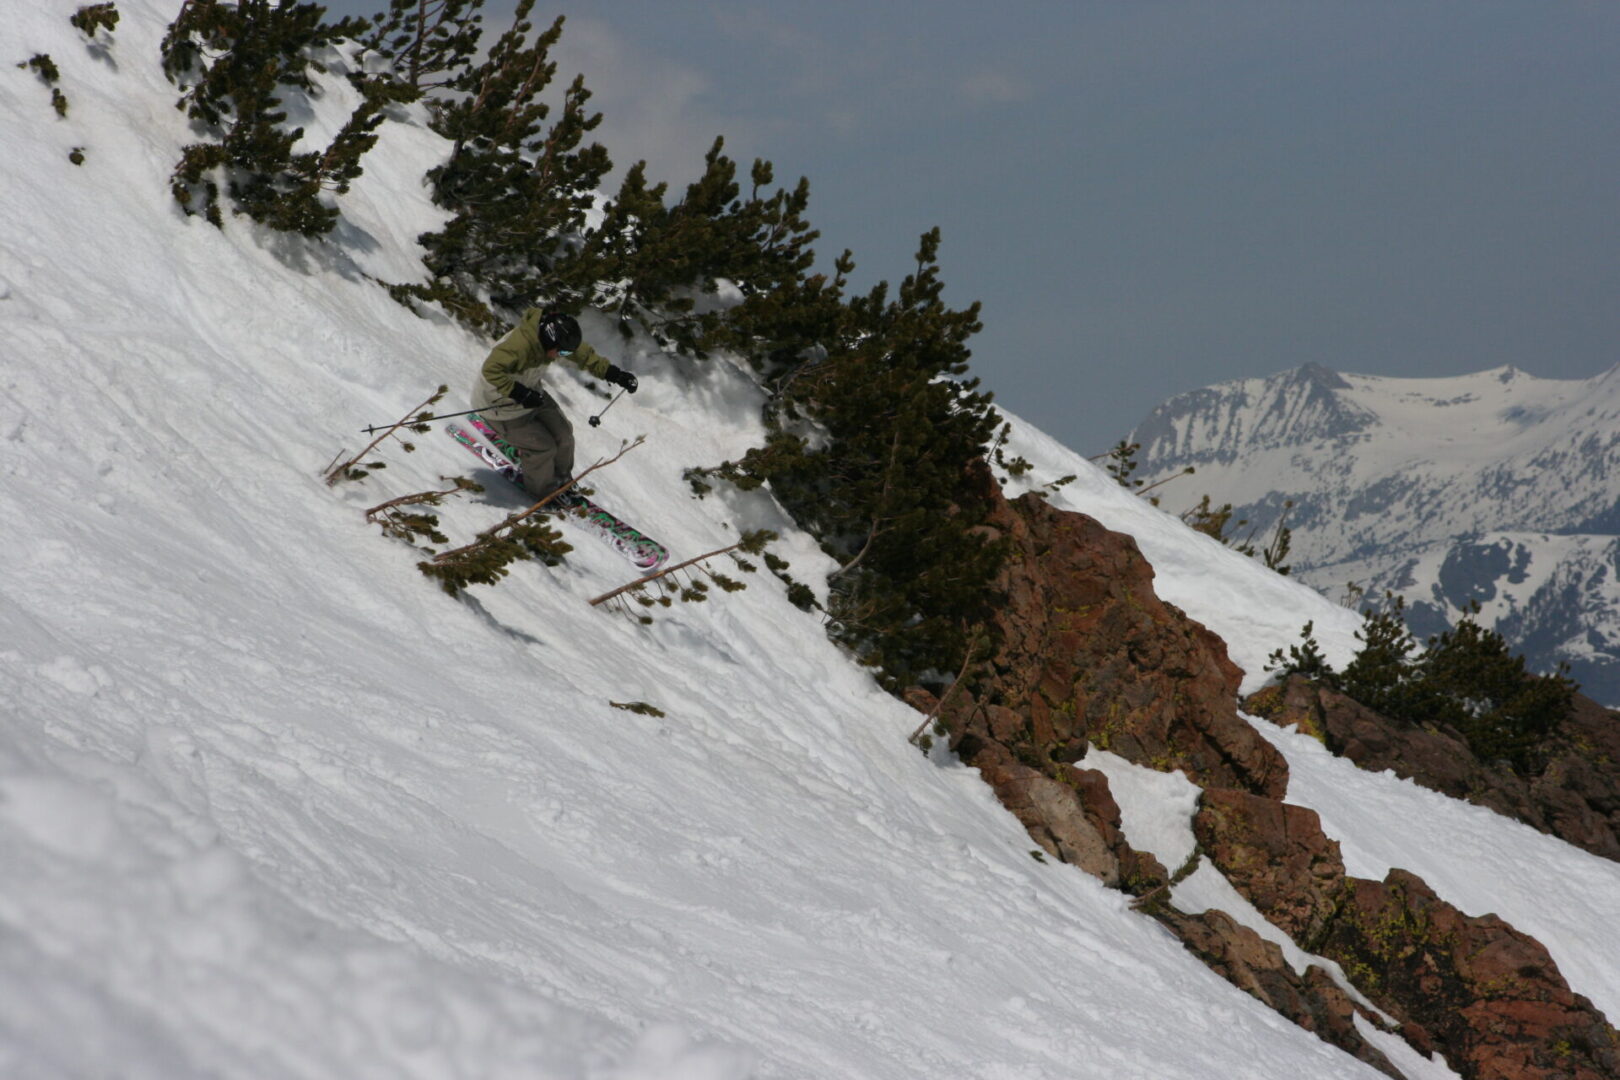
x: 494, y: 437
x: 645, y: 553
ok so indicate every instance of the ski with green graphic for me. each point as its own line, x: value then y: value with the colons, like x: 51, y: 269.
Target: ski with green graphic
x: 645, y: 553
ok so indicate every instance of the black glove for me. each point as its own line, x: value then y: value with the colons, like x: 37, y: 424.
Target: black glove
x: 620, y: 377
x: 527, y: 396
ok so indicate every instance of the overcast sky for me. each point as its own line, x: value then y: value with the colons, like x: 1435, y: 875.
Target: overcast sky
x: 1149, y: 197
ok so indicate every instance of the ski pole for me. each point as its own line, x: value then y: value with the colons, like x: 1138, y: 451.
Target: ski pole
x: 596, y: 421
x: 421, y: 420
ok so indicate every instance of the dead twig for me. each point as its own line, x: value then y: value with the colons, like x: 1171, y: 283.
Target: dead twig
x: 512, y: 522
x: 430, y: 497
x: 949, y: 690
x: 639, y: 582
x: 336, y: 473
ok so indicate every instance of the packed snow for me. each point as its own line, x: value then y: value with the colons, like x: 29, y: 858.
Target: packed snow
x: 273, y: 805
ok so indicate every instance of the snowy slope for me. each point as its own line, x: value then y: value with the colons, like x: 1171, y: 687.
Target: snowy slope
x: 271, y: 805
x: 1496, y: 487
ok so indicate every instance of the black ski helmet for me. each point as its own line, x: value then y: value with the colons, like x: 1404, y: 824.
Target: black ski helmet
x: 559, y: 331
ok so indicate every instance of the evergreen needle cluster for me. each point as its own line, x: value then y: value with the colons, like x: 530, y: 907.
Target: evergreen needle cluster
x: 235, y: 63
x: 1466, y: 678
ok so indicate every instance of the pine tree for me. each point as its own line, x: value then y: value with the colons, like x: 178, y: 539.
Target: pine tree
x: 1466, y: 679
x: 886, y: 483
x: 1380, y: 674
x: 1122, y: 463
x: 1502, y: 709
x: 518, y: 188
x: 648, y: 263
x: 429, y: 43
x: 1213, y: 521
x: 1304, y: 659
x: 235, y: 63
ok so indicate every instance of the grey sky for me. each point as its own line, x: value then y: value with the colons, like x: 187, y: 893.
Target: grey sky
x: 1152, y: 196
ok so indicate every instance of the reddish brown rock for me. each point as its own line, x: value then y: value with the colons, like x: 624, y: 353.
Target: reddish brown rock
x: 1490, y: 997
x: 1257, y: 967
x: 1090, y: 655
x: 1276, y: 855
x: 1487, y: 996
x: 1076, y: 822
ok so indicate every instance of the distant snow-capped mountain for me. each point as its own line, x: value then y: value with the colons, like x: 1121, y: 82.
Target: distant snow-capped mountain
x: 1498, y: 487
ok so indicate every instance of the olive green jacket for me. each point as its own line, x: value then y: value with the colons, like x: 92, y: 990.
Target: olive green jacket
x: 520, y: 358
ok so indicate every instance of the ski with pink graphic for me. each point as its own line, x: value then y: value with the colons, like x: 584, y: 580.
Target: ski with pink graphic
x: 645, y: 553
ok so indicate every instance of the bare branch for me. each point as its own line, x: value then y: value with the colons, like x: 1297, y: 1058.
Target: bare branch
x: 334, y: 474
x: 432, y: 497
x: 639, y: 582
x: 1188, y: 471
x: 490, y: 534
x: 943, y: 698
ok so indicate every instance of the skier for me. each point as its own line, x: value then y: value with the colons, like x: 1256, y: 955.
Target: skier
x: 509, y: 395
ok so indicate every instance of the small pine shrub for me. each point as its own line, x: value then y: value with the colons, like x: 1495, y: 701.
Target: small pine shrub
x: 412, y: 525
x: 1380, y: 674
x: 1061, y: 482
x: 93, y: 17
x: 1122, y: 463
x: 1214, y: 522
x: 1304, y: 659
x: 49, y: 74
x: 417, y: 422
x: 1503, y: 710
x: 489, y: 558
x: 235, y: 63
x: 680, y: 582
x: 1014, y: 466
x: 1466, y: 679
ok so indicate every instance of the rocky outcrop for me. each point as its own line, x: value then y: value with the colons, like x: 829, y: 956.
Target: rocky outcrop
x: 1276, y: 855
x: 1089, y: 655
x: 1257, y: 966
x: 1488, y: 997
x: 1574, y: 796
x: 1075, y: 820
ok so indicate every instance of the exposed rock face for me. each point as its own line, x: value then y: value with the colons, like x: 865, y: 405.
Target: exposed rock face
x: 1488, y: 997
x: 1257, y: 966
x: 1276, y: 855
x: 1076, y: 822
x: 1090, y: 655
x: 1486, y: 993
x: 1575, y: 797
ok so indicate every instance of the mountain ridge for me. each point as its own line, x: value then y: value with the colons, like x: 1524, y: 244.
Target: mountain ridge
x: 1409, y: 485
